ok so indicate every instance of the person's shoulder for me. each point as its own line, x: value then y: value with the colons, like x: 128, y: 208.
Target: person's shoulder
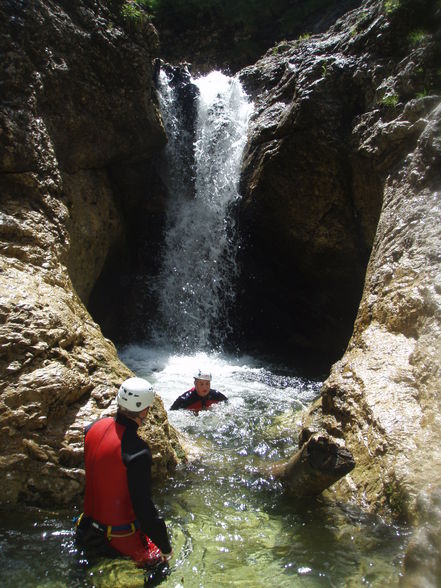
x: 217, y: 395
x: 182, y: 399
x: 133, y: 447
x: 101, y: 422
x: 186, y: 394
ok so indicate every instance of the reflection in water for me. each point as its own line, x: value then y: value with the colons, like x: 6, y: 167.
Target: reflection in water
x: 231, y: 526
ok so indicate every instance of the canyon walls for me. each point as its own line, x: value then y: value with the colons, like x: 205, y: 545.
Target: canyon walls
x: 78, y: 110
x: 339, y: 220
x: 344, y: 165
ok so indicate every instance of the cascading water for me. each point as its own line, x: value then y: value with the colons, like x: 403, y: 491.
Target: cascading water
x: 196, y: 284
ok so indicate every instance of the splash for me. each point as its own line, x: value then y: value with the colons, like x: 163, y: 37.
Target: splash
x: 201, y: 172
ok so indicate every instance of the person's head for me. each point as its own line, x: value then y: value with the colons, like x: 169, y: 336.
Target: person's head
x: 202, y: 382
x: 134, y: 398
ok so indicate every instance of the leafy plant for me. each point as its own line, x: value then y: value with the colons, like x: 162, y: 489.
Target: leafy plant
x: 280, y: 48
x: 416, y: 37
x: 390, y: 100
x: 391, y: 5
x: 357, y: 27
x: 135, y: 12
x: 396, y: 497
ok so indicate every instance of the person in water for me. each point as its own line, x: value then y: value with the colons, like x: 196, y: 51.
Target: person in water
x: 119, y: 516
x: 200, y: 396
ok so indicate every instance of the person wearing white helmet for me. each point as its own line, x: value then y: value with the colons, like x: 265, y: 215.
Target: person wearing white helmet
x: 119, y: 515
x: 201, y: 396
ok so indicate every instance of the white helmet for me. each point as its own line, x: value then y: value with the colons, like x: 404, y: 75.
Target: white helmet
x: 135, y: 394
x: 202, y: 375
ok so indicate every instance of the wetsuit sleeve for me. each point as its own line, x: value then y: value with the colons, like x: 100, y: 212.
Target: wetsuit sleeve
x: 177, y: 404
x: 218, y: 396
x: 139, y: 481
x: 185, y: 400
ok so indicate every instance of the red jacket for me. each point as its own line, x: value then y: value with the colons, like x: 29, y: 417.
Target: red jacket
x: 107, y: 498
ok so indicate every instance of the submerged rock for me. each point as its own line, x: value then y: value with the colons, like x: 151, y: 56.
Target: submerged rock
x: 318, y: 464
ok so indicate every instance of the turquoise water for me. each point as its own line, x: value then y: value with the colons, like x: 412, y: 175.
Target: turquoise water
x: 231, y: 525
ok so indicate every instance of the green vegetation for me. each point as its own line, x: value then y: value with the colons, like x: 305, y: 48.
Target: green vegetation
x: 358, y: 26
x: 280, y: 48
x: 135, y: 12
x: 396, y: 498
x: 391, y: 5
x: 416, y: 37
x: 390, y: 100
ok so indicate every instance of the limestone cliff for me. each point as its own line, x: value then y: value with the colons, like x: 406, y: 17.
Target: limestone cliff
x: 344, y: 163
x: 77, y: 104
x: 312, y: 189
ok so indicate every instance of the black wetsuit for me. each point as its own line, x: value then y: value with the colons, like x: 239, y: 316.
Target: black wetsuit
x: 191, y: 400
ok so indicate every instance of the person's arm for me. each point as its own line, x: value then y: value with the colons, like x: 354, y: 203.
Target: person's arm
x: 177, y: 404
x: 139, y: 482
x: 184, y: 400
x: 218, y: 396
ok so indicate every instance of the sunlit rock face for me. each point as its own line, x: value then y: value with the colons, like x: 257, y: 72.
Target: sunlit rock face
x: 343, y: 163
x: 77, y: 104
x: 310, y: 201
x: 385, y: 390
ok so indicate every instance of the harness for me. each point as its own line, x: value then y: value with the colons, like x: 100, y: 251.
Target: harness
x: 110, y: 530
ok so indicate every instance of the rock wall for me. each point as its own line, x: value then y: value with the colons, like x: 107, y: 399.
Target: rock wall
x: 77, y: 104
x: 344, y: 162
x: 342, y: 167
x: 232, y: 35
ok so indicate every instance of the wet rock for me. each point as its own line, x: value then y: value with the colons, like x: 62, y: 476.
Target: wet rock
x: 78, y: 100
x: 384, y: 390
x: 422, y: 564
x: 318, y: 464
x: 341, y: 216
x: 310, y: 201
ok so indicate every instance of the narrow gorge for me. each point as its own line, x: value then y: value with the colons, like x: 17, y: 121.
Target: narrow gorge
x: 336, y: 224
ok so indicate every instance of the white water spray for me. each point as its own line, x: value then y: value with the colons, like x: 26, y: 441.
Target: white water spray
x: 196, y: 283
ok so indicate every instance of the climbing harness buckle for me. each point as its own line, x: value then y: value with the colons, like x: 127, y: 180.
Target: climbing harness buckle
x: 112, y: 530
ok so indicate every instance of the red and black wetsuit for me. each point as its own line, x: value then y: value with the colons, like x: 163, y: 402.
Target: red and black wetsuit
x: 118, y: 489
x: 191, y: 400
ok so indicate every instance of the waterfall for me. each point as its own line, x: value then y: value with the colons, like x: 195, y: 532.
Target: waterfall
x: 201, y: 171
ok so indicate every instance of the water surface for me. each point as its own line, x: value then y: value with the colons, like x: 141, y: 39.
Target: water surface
x: 231, y: 525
